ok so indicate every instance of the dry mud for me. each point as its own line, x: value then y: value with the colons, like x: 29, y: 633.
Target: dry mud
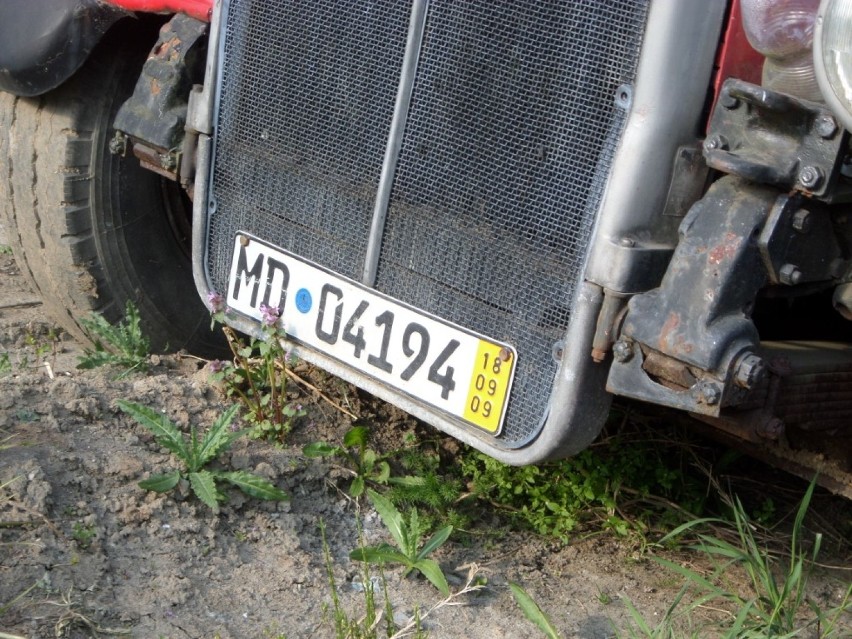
x: 85, y: 552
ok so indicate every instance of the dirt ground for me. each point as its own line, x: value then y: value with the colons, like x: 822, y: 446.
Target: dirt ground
x: 85, y: 552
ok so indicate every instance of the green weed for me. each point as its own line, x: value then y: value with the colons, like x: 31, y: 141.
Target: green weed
x: 533, y: 612
x: 365, y: 463
x: 122, y: 345
x: 257, y: 376
x: 5, y: 249
x: 83, y: 534
x: 777, y: 604
x: 409, y: 551
x: 196, y: 454
x: 5, y: 364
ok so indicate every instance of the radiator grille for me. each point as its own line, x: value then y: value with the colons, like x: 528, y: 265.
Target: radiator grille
x: 509, y: 140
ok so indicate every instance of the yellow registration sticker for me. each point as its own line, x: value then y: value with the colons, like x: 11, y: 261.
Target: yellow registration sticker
x: 489, y: 384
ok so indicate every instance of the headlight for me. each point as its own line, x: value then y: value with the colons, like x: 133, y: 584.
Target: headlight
x: 833, y: 56
x: 782, y: 30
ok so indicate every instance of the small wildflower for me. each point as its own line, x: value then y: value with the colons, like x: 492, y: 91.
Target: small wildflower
x: 215, y: 301
x: 216, y: 365
x: 270, y: 315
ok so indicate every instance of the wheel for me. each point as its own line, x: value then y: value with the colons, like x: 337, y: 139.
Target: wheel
x: 90, y: 229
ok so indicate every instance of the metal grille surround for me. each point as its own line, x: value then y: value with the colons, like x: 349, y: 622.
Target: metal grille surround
x: 510, y: 136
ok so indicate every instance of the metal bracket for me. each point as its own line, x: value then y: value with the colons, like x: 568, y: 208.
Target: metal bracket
x: 774, y: 138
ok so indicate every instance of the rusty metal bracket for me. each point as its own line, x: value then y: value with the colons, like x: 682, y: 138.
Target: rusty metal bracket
x: 774, y: 138
x: 155, y: 115
x: 690, y: 343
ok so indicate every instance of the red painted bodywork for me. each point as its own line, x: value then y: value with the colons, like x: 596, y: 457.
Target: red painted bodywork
x: 199, y: 9
x: 736, y: 58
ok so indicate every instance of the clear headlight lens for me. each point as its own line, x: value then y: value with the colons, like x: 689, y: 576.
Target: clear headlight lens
x: 833, y: 56
x: 783, y: 31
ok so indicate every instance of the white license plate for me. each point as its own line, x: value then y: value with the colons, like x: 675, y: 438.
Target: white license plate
x: 448, y: 367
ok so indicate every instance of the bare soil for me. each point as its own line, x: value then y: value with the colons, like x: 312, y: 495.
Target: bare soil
x: 85, y: 552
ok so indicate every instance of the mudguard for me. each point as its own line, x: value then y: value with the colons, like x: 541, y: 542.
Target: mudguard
x: 43, y: 42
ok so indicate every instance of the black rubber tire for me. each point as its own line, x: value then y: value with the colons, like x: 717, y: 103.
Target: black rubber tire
x: 90, y: 229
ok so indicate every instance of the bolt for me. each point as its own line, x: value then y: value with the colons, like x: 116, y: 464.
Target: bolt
x: 505, y: 354
x: 707, y: 393
x: 728, y: 101
x: 826, y: 127
x: 802, y: 221
x: 622, y: 351
x: 810, y: 177
x: 627, y: 242
x: 118, y: 144
x: 716, y: 143
x: 750, y: 371
x: 168, y: 161
x: 772, y: 429
x: 789, y: 274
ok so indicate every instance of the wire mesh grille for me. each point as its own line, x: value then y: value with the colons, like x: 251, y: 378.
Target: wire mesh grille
x: 509, y: 141
x: 307, y: 97
x: 510, y: 135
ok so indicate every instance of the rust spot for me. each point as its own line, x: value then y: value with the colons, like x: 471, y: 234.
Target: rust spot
x: 726, y: 250
x: 668, y: 330
x: 155, y: 87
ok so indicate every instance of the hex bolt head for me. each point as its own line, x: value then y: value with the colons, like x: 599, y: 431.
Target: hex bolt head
x: 750, y: 371
x: 789, y: 274
x: 118, y: 144
x: 622, y: 351
x: 728, y: 101
x: 772, y: 429
x: 802, y: 221
x: 810, y: 177
x: 707, y: 393
x: 825, y: 126
x: 716, y: 143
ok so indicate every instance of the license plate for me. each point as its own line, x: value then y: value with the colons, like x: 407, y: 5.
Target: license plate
x: 448, y: 367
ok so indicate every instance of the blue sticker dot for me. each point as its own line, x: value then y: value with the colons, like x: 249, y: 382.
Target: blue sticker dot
x: 303, y: 300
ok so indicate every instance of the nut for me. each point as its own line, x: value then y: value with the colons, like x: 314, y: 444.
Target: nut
x: 772, y: 429
x: 825, y: 126
x: 728, y: 101
x: 707, y: 393
x: 789, y: 274
x: 810, y: 177
x: 750, y: 371
x: 622, y: 351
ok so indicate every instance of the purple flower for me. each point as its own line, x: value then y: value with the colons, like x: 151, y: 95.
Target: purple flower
x: 215, y: 301
x: 270, y: 315
x: 216, y: 365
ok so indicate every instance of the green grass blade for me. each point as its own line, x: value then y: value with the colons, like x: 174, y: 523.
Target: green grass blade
x: 432, y: 571
x: 320, y: 449
x: 204, y: 486
x: 435, y: 541
x: 355, y: 437
x: 391, y: 517
x: 533, y: 612
x: 254, y: 486
x: 218, y: 438
x: 161, y: 483
x: 166, y: 433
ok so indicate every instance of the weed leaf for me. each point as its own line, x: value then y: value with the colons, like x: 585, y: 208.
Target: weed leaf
x: 378, y: 554
x: 435, y: 541
x: 254, y: 486
x: 218, y: 438
x: 408, y: 481
x: 319, y: 449
x: 391, y: 518
x: 432, y: 571
x: 537, y: 616
x: 166, y: 433
x: 204, y: 486
x: 355, y: 437
x: 357, y: 487
x: 161, y: 483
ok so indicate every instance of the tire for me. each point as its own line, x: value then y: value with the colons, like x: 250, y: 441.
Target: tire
x: 93, y: 230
